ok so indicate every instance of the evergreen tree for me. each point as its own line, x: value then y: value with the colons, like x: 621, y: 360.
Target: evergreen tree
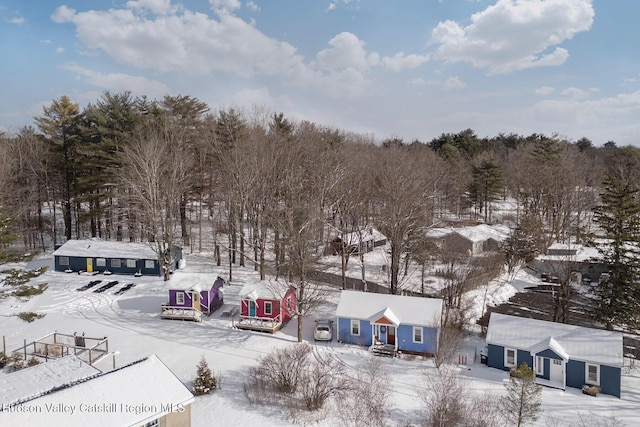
x: 486, y: 184
x: 524, y: 397
x: 517, y: 248
x: 60, y: 123
x: 617, y: 296
x: 205, y: 381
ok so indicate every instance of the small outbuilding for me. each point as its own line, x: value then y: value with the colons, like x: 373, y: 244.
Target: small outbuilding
x: 100, y: 256
x: 561, y: 355
x: 262, y: 309
x: 400, y: 323
x: 192, y: 296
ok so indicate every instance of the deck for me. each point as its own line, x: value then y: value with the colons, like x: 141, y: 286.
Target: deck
x: 261, y: 324
x: 180, y: 313
x: 388, y: 350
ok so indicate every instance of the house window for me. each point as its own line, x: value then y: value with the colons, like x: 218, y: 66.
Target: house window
x: 267, y: 307
x: 592, y: 374
x: 116, y: 263
x: 149, y: 264
x: 101, y: 262
x: 131, y: 263
x: 509, y: 357
x: 154, y: 423
x: 180, y: 298
x: 539, y: 365
x: 355, y: 327
x: 289, y: 303
x: 64, y: 260
x: 417, y: 334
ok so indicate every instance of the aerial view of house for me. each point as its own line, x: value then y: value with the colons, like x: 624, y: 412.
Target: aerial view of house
x: 67, y: 391
x: 402, y: 323
x: 95, y: 255
x: 561, y: 355
x: 262, y: 309
x: 193, y: 296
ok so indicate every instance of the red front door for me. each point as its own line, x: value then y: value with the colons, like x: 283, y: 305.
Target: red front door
x: 391, y: 335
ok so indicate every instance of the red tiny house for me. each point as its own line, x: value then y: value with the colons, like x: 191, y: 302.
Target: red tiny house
x: 262, y: 310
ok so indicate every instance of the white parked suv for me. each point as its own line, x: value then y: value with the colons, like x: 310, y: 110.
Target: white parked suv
x: 323, y: 330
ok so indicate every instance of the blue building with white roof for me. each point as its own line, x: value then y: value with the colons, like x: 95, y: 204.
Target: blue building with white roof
x: 561, y: 355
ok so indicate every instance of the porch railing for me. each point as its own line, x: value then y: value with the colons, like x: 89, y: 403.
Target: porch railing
x: 181, y: 313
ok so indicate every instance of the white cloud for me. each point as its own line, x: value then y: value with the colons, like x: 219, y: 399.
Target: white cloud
x: 575, y: 93
x: 60, y: 50
x: 417, y: 82
x: 18, y: 21
x: 514, y: 34
x: 450, y: 83
x: 400, y: 61
x: 544, y: 90
x: 252, y: 6
x: 188, y: 42
x: 63, y: 14
x: 346, y: 51
x: 225, y: 7
x: 159, y: 7
x: 46, y: 41
x: 119, y: 81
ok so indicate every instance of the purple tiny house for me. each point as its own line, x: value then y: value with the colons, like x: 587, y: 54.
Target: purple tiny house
x: 193, y: 296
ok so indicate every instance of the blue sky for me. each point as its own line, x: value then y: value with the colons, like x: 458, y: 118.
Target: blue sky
x: 412, y: 69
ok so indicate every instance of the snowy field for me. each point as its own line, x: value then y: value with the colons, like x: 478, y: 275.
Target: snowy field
x: 132, y: 323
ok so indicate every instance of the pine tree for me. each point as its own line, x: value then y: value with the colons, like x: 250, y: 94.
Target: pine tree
x: 205, y: 381
x: 617, y: 296
x: 524, y: 397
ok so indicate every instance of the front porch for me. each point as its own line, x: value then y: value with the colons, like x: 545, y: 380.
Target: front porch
x: 388, y: 350
x: 180, y: 313
x: 261, y: 324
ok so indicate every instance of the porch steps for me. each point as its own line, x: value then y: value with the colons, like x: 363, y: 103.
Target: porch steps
x: 386, y: 350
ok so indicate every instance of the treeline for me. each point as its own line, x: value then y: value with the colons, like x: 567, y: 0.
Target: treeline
x: 261, y: 186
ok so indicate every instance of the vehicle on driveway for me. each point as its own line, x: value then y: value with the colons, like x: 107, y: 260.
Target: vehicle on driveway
x: 323, y: 330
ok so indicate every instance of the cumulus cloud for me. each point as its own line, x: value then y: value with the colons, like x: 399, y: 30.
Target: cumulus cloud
x: 575, y: 93
x: 60, y: 50
x: 159, y: 7
x: 544, y: 90
x: 346, y: 51
x: 514, y: 34
x: 119, y: 81
x: 17, y: 21
x: 400, y: 61
x: 189, y: 42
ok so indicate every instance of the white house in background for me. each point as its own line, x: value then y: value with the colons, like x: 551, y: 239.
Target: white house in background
x: 472, y: 240
x: 69, y: 392
x: 357, y: 242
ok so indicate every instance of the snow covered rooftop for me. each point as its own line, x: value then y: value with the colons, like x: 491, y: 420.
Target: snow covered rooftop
x: 483, y: 232
x: 576, y: 342
x: 101, y: 248
x: 39, y: 379
x: 130, y: 396
x: 256, y: 291
x: 406, y: 310
x: 192, y: 281
x: 368, y: 234
x: 571, y: 252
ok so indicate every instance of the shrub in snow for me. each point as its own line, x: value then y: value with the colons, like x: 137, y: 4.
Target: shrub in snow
x: 3, y: 360
x: 17, y: 361
x: 33, y: 361
x: 205, y: 381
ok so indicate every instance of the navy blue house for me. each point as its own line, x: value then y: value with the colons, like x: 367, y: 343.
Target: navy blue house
x: 561, y: 355
x: 409, y: 324
x: 95, y: 255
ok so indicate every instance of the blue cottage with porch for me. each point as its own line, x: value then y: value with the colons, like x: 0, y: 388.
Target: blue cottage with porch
x: 98, y: 256
x: 402, y: 323
x: 561, y: 355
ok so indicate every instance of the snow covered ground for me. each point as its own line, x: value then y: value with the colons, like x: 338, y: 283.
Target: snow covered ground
x: 132, y: 323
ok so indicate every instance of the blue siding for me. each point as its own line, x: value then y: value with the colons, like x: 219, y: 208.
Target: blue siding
x: 405, y: 340
x: 495, y: 357
x: 523, y: 356
x: 575, y: 374
x: 344, y: 332
x: 610, y: 380
x: 549, y: 354
x: 546, y: 369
